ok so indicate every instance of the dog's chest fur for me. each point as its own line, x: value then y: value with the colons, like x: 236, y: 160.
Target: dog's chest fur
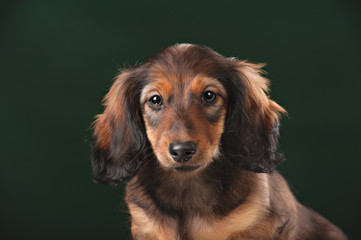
x: 194, y: 210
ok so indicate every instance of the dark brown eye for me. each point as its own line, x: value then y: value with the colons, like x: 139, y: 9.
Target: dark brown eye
x: 155, y: 101
x: 209, y: 96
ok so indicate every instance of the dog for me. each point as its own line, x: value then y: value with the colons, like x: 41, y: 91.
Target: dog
x: 194, y: 136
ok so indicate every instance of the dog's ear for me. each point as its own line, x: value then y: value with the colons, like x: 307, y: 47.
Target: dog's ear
x: 119, y: 140
x: 251, y: 129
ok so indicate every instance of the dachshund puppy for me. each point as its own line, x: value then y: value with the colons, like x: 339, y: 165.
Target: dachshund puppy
x: 194, y: 135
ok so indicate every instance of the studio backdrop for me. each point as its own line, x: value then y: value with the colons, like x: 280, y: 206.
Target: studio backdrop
x: 59, y: 58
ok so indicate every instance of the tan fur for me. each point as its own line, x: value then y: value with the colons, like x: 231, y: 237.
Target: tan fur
x: 257, y: 86
x: 150, y: 228
x: 243, y: 218
x: 208, y: 226
x: 113, y: 113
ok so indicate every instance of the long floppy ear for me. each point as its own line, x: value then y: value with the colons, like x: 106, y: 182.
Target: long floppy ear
x: 251, y: 129
x: 119, y: 140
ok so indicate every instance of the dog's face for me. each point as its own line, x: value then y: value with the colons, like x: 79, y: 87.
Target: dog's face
x: 184, y: 118
x: 185, y: 107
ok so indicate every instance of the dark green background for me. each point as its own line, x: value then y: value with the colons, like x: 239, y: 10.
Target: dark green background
x: 58, y: 58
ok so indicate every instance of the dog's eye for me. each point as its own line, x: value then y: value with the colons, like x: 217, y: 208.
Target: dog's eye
x: 155, y: 100
x: 209, y: 96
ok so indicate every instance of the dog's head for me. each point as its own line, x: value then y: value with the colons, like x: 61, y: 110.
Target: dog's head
x: 185, y: 107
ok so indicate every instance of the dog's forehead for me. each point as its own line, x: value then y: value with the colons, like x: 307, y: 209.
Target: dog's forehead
x: 183, y: 70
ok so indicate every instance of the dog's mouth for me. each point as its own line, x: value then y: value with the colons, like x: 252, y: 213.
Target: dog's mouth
x: 187, y: 168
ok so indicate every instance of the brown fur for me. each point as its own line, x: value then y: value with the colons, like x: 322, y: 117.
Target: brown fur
x: 232, y: 193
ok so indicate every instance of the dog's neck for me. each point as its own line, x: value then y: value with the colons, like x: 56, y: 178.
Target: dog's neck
x: 215, y: 190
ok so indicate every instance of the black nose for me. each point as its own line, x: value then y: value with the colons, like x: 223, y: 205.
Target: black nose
x: 182, y: 152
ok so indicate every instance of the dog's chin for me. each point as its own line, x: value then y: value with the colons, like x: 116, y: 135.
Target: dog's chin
x: 192, y: 166
x: 183, y: 168
x: 187, y: 168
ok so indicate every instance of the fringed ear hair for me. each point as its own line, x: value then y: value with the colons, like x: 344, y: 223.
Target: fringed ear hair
x: 251, y: 129
x: 119, y: 141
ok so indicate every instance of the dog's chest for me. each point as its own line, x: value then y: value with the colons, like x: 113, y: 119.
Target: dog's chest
x: 158, y: 226
x: 163, y: 216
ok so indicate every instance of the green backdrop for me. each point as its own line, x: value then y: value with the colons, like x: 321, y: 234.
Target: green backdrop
x: 58, y: 58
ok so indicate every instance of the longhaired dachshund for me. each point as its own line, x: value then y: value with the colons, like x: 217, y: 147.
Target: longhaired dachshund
x: 194, y: 135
